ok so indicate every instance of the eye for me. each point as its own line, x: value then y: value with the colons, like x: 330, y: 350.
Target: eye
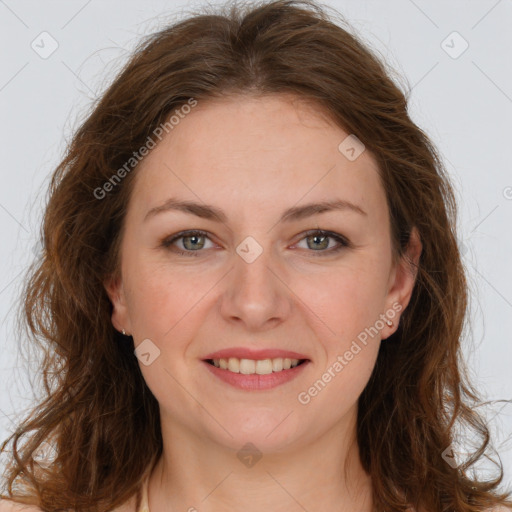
x: 193, y: 242
x: 319, y: 240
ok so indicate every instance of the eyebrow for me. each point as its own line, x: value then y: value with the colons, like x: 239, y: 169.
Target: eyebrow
x: 210, y: 212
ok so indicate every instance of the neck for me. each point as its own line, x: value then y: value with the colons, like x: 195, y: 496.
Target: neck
x: 195, y: 473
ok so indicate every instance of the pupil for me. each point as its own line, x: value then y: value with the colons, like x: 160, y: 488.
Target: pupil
x: 194, y: 239
x: 318, y: 238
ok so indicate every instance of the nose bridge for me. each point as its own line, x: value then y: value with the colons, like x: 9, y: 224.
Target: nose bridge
x: 255, y: 294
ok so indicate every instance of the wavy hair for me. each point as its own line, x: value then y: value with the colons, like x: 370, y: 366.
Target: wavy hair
x: 97, y: 405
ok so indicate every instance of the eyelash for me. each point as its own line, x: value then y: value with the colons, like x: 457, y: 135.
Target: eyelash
x: 343, y: 242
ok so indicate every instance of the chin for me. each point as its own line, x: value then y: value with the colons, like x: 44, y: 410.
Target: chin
x: 268, y: 430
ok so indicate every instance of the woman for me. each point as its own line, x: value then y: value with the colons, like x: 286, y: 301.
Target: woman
x: 251, y: 288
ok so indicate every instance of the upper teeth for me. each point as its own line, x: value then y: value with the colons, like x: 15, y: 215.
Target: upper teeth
x: 260, y: 366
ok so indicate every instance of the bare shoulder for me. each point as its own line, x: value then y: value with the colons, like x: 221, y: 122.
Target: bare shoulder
x: 499, y: 508
x: 12, y: 506
x: 128, y: 506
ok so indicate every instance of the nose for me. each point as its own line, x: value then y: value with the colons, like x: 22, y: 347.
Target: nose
x: 256, y: 295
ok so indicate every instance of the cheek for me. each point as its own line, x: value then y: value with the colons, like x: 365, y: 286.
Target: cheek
x: 346, y: 300
x: 332, y: 394
x: 349, y: 305
x: 156, y: 298
x: 166, y: 303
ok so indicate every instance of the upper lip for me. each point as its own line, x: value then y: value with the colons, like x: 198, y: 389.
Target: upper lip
x: 249, y: 353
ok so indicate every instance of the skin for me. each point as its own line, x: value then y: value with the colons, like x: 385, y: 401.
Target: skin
x: 254, y: 158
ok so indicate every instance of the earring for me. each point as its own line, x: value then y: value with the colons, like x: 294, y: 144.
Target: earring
x: 389, y: 323
x: 124, y: 333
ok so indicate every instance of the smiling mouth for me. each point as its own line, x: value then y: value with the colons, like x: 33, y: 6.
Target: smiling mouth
x: 256, y: 366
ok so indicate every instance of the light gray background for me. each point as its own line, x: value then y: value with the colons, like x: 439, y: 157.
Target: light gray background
x: 462, y: 100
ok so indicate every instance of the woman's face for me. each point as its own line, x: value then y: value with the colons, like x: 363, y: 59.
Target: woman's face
x: 257, y: 281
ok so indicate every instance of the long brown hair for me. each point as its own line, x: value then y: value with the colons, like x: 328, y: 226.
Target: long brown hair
x: 97, y: 407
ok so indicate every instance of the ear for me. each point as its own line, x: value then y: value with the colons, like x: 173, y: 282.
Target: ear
x: 402, y: 280
x: 115, y: 291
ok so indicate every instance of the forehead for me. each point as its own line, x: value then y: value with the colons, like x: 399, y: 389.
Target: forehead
x: 264, y: 151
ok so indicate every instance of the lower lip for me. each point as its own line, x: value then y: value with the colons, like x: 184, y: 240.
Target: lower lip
x: 256, y: 382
